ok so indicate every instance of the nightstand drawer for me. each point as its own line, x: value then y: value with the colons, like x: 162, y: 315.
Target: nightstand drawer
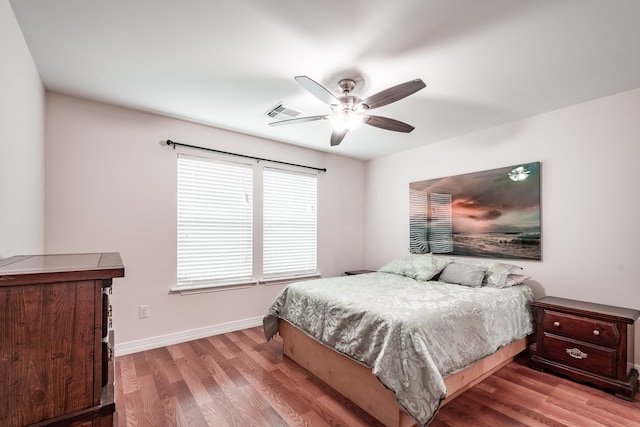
x: 580, y: 328
x: 598, y: 360
x: 588, y: 342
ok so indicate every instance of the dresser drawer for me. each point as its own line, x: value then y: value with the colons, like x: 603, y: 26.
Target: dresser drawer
x: 580, y: 328
x: 581, y: 355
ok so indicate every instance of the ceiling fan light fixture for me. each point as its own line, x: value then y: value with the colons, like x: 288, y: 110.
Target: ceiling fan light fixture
x: 346, y: 120
x: 347, y: 109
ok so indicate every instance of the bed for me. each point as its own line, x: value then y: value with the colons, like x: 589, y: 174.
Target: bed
x: 398, y: 342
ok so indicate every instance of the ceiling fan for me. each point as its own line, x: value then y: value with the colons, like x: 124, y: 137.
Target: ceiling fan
x: 348, y: 111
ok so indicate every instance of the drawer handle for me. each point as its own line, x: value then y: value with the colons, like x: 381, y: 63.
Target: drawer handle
x: 576, y: 353
x: 556, y: 323
x: 596, y: 332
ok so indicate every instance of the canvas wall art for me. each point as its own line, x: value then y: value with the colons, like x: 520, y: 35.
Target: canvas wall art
x: 493, y: 213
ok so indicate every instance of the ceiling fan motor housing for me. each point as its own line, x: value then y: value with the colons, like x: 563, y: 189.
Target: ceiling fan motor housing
x: 347, y: 103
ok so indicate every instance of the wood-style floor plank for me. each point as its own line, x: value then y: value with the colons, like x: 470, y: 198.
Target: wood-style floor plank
x: 238, y: 380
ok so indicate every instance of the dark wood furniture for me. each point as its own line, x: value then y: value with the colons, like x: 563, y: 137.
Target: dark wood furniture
x: 587, y: 342
x: 56, y: 357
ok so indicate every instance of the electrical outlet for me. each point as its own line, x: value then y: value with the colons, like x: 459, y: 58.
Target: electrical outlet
x: 143, y: 311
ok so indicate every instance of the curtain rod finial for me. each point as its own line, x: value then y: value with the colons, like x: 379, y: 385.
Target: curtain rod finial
x: 166, y: 142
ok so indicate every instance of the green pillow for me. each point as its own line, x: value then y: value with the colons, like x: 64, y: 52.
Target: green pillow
x: 496, y: 275
x: 418, y: 267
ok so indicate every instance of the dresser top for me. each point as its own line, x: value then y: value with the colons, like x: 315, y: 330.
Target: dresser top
x: 30, y: 269
x: 583, y: 308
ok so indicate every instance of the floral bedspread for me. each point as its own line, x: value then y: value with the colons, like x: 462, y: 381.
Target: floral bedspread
x: 411, y: 334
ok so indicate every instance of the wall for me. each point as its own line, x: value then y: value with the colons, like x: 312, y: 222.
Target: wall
x: 590, y: 200
x: 22, y: 196
x: 112, y: 187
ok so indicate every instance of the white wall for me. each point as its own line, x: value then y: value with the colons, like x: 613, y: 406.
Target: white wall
x: 22, y: 195
x: 590, y: 198
x: 112, y: 187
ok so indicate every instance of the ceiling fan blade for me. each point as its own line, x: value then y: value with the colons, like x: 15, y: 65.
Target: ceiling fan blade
x: 387, y: 123
x: 393, y: 94
x: 298, y: 120
x: 337, y: 136
x: 317, y: 90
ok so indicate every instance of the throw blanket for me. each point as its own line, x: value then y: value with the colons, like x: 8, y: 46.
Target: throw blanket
x: 411, y: 334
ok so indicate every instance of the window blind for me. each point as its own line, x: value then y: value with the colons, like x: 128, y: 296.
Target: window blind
x: 441, y: 238
x: 289, y: 223
x: 418, y: 226
x: 214, y: 222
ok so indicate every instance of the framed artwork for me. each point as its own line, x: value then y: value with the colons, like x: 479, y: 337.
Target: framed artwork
x: 493, y: 213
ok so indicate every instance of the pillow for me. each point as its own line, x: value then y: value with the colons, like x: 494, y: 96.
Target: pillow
x: 418, y: 267
x: 497, y: 274
x: 463, y: 274
x: 515, y: 279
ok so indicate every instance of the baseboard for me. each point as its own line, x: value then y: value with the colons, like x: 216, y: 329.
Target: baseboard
x: 183, y: 336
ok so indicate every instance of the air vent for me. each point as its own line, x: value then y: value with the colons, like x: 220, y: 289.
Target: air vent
x: 279, y: 111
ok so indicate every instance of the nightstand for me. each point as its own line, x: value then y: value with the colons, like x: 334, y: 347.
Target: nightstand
x: 587, y: 342
x: 354, y: 272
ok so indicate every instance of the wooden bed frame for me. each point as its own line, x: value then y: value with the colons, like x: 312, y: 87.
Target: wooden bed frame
x: 358, y: 384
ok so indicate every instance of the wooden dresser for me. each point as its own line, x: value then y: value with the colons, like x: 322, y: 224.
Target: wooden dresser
x: 56, y: 357
x: 588, y: 342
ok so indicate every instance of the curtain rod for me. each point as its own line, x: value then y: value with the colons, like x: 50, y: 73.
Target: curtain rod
x: 170, y: 142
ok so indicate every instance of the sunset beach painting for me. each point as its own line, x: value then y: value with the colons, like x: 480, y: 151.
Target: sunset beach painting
x: 493, y: 213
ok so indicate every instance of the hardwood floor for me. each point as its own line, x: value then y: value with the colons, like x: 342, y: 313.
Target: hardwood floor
x: 238, y: 379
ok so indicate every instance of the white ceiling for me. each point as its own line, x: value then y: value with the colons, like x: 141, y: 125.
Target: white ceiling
x: 225, y: 63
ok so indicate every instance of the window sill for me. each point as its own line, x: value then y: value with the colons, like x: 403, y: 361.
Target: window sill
x: 202, y: 289
x: 191, y: 290
x: 287, y: 280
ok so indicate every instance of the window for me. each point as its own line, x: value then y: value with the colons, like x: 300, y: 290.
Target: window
x: 214, y: 222
x: 289, y: 223
x: 226, y: 240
